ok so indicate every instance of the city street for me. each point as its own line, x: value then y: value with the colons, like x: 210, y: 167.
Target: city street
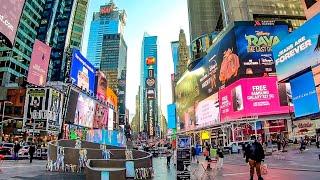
x: 294, y: 167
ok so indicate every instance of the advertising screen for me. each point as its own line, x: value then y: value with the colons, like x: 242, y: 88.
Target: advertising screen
x: 311, y: 7
x: 112, y: 98
x: 299, y: 50
x: 304, y: 95
x: 71, y: 106
x: 82, y: 73
x: 171, y: 109
x: 56, y: 100
x: 102, y: 86
x: 10, y: 12
x: 110, y: 119
x: 250, y: 97
x: 254, y: 44
x: 100, y: 116
x: 207, y: 111
x: 38, y: 68
x: 85, y: 111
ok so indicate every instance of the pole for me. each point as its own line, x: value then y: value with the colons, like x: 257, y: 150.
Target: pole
x: 1, y: 123
x: 233, y: 135
x: 255, y: 128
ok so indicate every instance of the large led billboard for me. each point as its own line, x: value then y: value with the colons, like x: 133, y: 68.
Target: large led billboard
x: 311, y: 7
x: 102, y: 86
x: 304, y: 95
x: 110, y: 119
x: 250, y: 97
x: 38, y: 68
x: 71, y: 106
x: 85, y: 111
x: 298, y: 51
x: 171, y: 109
x: 10, y: 12
x: 82, y: 73
x: 207, y: 111
x: 100, y: 116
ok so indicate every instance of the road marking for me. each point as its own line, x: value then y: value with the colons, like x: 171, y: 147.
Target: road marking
x: 234, y: 174
x: 7, y: 167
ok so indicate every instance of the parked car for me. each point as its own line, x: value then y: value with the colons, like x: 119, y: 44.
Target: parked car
x: 7, y: 152
x: 24, y: 152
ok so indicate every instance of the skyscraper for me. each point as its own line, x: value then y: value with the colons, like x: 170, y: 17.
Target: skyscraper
x: 14, y: 62
x: 62, y: 26
x: 184, y: 57
x: 148, y: 86
x: 109, y: 20
x: 175, y: 55
x: 204, y: 17
x: 207, y: 16
x: 107, y: 50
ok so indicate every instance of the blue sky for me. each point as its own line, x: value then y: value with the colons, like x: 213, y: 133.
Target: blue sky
x: 163, y: 18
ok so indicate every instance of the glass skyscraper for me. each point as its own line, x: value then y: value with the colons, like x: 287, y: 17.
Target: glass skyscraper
x: 14, y: 62
x: 149, y: 50
x: 62, y: 27
x: 108, y: 21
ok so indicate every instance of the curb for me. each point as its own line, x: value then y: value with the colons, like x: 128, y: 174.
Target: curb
x: 289, y: 169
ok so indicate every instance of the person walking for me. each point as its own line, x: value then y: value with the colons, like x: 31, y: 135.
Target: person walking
x: 169, y: 154
x: 16, y: 149
x: 254, y: 156
x: 32, y: 149
x: 194, y: 154
x: 220, y: 158
x: 302, y: 145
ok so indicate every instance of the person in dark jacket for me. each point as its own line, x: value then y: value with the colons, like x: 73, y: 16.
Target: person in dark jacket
x: 254, y: 156
x: 16, y: 149
x: 32, y: 149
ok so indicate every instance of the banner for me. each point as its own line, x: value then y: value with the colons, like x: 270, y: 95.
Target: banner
x: 38, y: 68
x: 10, y: 12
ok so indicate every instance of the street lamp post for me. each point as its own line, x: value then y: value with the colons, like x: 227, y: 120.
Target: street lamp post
x: 2, y: 118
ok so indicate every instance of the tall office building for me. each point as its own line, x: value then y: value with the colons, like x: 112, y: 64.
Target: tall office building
x: 184, y: 56
x: 62, y: 27
x: 135, y: 124
x: 109, y: 20
x: 207, y: 16
x: 149, y: 122
x: 175, y: 55
x: 14, y: 62
x: 107, y: 50
x: 204, y: 17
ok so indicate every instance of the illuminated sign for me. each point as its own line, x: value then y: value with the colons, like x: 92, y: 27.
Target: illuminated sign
x: 106, y: 9
x: 150, y: 60
x: 150, y: 82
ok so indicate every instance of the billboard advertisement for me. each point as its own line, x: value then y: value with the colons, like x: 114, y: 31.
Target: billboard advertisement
x: 254, y: 44
x: 38, y: 68
x: 71, y: 106
x: 299, y: 50
x: 102, y: 86
x: 304, y: 95
x: 171, y: 109
x: 151, y: 118
x: 10, y: 12
x: 112, y: 98
x: 56, y: 100
x: 207, y: 111
x: 311, y: 7
x: 250, y: 97
x: 85, y: 111
x: 150, y: 61
x: 82, y: 73
x: 100, y: 116
x: 110, y: 119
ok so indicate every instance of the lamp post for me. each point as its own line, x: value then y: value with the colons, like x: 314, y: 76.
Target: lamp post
x: 2, y: 118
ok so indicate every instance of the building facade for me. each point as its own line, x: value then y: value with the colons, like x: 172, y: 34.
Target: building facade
x: 62, y: 27
x: 184, y: 56
x: 148, y: 86
x: 109, y: 20
x: 14, y: 62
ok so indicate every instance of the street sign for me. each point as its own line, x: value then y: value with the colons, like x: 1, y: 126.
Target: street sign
x: 184, y: 158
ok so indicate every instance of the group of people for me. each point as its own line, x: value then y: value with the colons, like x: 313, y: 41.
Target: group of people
x: 16, y: 148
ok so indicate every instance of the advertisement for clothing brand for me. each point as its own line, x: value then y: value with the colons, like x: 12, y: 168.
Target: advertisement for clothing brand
x: 304, y: 95
x: 85, y: 111
x: 82, y: 73
x: 254, y: 44
x: 250, y: 97
x: 299, y: 50
x: 10, y: 12
x: 38, y: 68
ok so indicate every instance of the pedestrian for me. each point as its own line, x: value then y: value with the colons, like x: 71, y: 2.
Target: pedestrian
x: 254, y: 156
x: 194, y: 154
x: 302, y: 145
x: 279, y: 144
x: 32, y: 149
x: 16, y: 149
x: 169, y: 154
x: 220, y: 158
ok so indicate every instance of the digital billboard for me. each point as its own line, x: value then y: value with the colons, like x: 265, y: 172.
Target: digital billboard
x: 299, y: 50
x: 10, y: 12
x: 85, y: 111
x: 102, y: 86
x: 56, y: 100
x: 150, y: 61
x: 110, y: 119
x: 100, y: 116
x: 254, y: 44
x: 250, y: 97
x: 304, y: 95
x: 38, y: 68
x: 82, y: 73
x: 71, y: 106
x: 207, y: 111
x: 171, y: 109
x: 311, y: 7
x: 112, y: 98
